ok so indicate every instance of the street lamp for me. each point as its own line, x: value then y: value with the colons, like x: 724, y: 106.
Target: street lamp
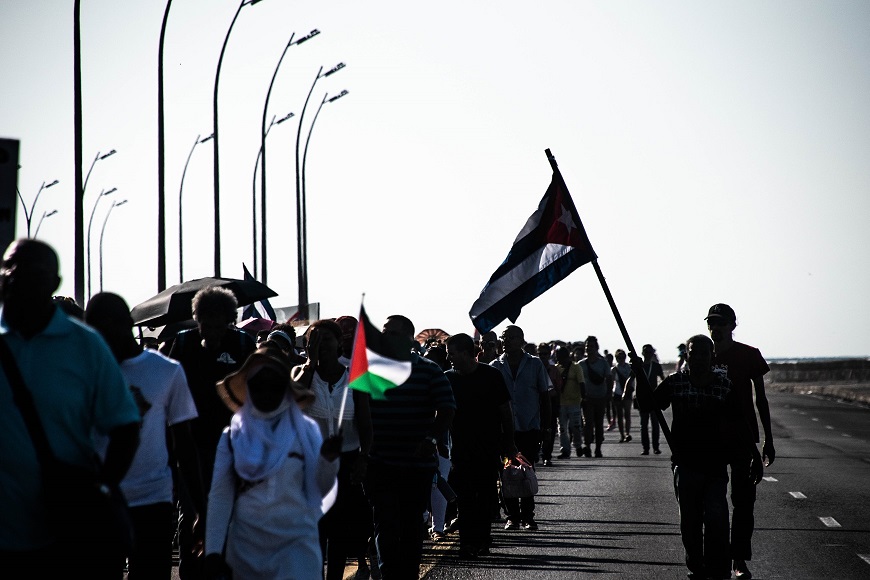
x: 28, y: 214
x: 300, y: 215
x: 45, y: 214
x: 304, y: 221
x: 161, y: 170
x: 90, y: 223
x: 103, y: 233
x: 180, y: 218
x: 99, y: 157
x: 217, y: 180
x: 262, y: 153
x: 263, y: 131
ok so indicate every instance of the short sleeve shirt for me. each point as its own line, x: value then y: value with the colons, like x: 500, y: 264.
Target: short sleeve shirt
x: 741, y: 363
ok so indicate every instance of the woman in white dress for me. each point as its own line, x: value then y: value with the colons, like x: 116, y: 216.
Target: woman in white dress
x: 274, y: 477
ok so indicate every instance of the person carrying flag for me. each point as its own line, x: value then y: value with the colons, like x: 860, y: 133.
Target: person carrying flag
x: 411, y: 404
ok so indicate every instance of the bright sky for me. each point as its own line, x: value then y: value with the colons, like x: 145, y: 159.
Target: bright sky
x: 716, y: 152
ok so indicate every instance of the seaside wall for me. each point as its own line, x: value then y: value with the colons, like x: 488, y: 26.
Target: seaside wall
x: 851, y: 370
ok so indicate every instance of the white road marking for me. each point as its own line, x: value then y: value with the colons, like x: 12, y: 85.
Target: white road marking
x: 830, y: 522
x: 829, y: 426
x: 769, y: 478
x: 815, y: 418
x: 797, y: 495
x: 865, y: 557
x: 845, y: 434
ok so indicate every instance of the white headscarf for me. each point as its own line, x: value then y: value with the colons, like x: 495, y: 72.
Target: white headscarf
x: 261, y: 443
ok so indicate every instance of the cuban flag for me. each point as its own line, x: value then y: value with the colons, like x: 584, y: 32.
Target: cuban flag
x: 551, y: 245
x: 261, y: 309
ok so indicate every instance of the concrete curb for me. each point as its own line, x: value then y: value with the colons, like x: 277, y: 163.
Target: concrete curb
x: 850, y: 392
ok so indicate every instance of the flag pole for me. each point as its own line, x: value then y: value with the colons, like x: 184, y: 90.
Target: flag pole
x: 640, y: 376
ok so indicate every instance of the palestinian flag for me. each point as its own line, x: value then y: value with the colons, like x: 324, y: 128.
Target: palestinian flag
x: 379, y: 361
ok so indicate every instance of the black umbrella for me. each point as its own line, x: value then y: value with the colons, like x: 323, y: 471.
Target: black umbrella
x: 173, y: 304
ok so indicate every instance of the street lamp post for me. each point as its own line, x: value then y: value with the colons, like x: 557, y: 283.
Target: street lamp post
x: 217, y: 180
x: 78, y: 190
x: 262, y: 153
x: 161, y: 170
x: 80, y: 193
x: 28, y: 214
x: 180, y: 216
x: 300, y: 225
x: 45, y: 214
x: 304, y: 221
x: 90, y: 223
x: 103, y: 233
x: 263, y: 131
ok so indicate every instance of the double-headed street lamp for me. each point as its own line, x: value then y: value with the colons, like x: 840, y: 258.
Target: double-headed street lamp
x: 217, y: 180
x: 263, y: 131
x: 90, y: 223
x: 103, y: 233
x: 180, y: 217
x: 45, y: 214
x: 28, y: 214
x: 301, y: 252
x: 262, y: 153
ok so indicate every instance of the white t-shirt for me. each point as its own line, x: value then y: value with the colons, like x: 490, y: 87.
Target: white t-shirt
x: 159, y: 387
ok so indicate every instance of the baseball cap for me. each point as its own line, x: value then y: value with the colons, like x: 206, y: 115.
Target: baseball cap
x: 721, y: 311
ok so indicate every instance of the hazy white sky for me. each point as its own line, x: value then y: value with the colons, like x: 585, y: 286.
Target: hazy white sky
x: 716, y: 152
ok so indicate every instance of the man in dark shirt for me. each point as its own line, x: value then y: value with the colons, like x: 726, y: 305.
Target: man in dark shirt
x: 745, y: 368
x: 402, y: 464
x: 707, y: 432
x: 482, y: 431
x: 207, y: 353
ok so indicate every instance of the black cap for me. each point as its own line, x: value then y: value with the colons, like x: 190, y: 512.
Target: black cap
x: 721, y: 311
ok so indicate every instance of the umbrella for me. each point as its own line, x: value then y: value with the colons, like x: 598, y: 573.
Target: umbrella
x: 173, y: 304
x: 430, y: 335
x: 254, y: 325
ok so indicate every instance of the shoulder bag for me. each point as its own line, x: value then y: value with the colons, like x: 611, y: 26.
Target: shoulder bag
x: 82, y: 509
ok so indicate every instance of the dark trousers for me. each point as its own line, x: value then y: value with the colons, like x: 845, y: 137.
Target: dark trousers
x: 550, y: 438
x: 398, y: 497
x: 190, y: 565
x: 743, y: 506
x: 522, y: 509
x: 152, y: 553
x: 593, y: 420
x: 645, y: 420
x: 475, y: 484
x: 701, y: 495
x: 346, y: 527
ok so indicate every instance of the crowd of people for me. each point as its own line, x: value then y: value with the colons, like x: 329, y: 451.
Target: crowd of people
x: 252, y: 457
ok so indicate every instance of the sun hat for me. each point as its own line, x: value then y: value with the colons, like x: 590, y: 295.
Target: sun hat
x: 233, y: 390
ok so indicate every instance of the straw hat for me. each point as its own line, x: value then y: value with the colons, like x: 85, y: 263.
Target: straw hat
x: 233, y: 389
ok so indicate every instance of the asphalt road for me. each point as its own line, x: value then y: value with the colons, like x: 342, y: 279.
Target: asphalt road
x: 616, y: 517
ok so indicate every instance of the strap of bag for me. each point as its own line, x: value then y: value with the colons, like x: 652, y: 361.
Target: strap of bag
x: 26, y: 406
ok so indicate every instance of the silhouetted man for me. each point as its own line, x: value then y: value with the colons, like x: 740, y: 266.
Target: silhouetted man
x: 77, y: 389
x: 745, y: 367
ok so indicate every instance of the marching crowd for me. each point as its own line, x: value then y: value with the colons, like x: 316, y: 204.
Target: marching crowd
x: 252, y: 456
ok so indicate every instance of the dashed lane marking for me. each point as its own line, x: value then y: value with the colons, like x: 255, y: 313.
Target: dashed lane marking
x: 865, y: 557
x: 830, y: 522
x: 829, y: 426
x: 797, y: 495
x: 769, y: 478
